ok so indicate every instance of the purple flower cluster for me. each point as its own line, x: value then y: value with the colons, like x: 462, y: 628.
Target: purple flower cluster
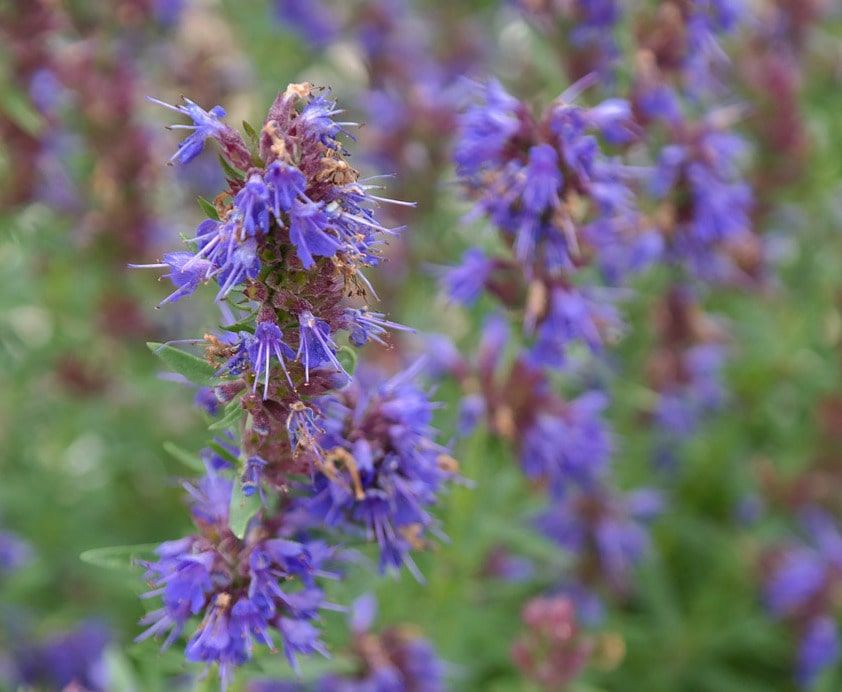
x: 84, y: 88
x: 701, y: 204
x: 801, y: 583
x: 556, y: 198
x: 244, y: 590
x: 559, y: 443
x: 683, y: 37
x: 379, y: 471
x: 575, y: 220
x: 607, y: 531
x: 319, y: 445
x: 31, y: 64
x: 771, y: 67
x: 684, y: 368
x: 396, y: 659
x: 707, y: 215
x: 313, y: 21
x: 568, y: 213
x: 585, y: 27
x: 415, y: 62
x: 72, y: 660
x: 552, y: 650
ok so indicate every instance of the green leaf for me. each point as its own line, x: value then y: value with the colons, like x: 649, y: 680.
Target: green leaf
x: 190, y: 460
x: 242, y: 509
x: 118, y: 557
x: 231, y: 172
x: 249, y: 130
x: 245, y: 325
x: 231, y: 417
x: 121, y: 675
x: 195, y: 369
x: 208, y: 208
x: 347, y: 356
x: 18, y: 109
x: 223, y: 452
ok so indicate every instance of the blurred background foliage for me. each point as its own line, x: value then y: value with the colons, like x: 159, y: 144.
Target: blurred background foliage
x: 85, y: 413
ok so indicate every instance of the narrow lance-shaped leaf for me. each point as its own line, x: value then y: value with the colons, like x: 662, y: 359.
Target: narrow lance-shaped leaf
x: 208, y: 208
x: 241, y: 510
x: 195, y: 369
x: 232, y: 416
x: 190, y: 460
x: 119, y: 557
x: 348, y: 358
x: 231, y: 172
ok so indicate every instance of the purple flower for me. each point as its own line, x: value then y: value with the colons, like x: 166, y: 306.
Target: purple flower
x: 471, y: 411
x: 573, y: 316
x: 800, y: 587
x: 251, y: 202
x: 363, y: 613
x: 614, y: 119
x: 543, y: 179
x: 682, y: 404
x: 819, y: 649
x: 308, y: 233
x: 465, y: 282
x: 715, y: 203
x: 315, y: 345
x: 317, y: 121
x: 286, y: 184
x: 658, y: 102
x: 544, y: 182
x: 299, y: 638
x: 800, y: 576
x: 621, y: 544
x: 205, y: 124
x: 311, y: 20
x: 168, y: 12
x: 182, y: 578
x: 211, y: 494
x: 14, y: 552
x: 486, y: 128
x: 186, y: 273
x: 206, y: 400
x: 240, y: 265
x: 251, y: 478
x: 374, y: 468
x: 219, y: 638
x: 365, y: 326
x: 704, y: 56
x: 46, y: 90
x: 574, y: 446
x: 268, y: 341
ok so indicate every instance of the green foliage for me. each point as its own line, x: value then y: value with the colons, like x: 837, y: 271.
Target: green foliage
x: 208, y: 208
x: 242, y: 509
x: 121, y: 557
x: 195, y: 369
